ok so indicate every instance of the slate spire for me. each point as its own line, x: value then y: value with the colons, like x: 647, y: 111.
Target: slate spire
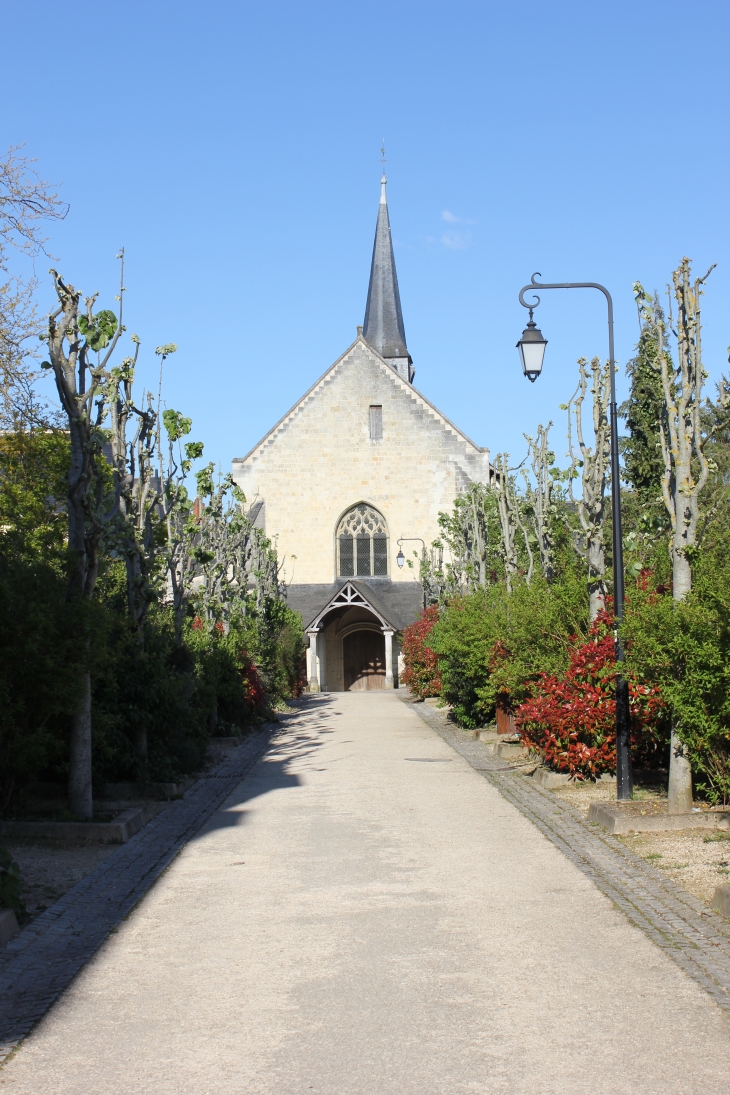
x: 383, y: 327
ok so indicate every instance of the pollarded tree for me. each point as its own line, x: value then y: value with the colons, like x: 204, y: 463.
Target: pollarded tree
x: 539, y: 496
x: 80, y: 345
x: 643, y: 462
x: 510, y: 508
x: 686, y: 467
x: 119, y: 508
x: 181, y: 523
x: 593, y: 463
x: 147, y: 496
x: 466, y: 535
x: 235, y: 559
x: 469, y: 537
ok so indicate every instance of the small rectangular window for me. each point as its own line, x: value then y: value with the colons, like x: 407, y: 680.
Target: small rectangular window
x: 347, y: 569
x: 376, y: 423
x: 363, y: 556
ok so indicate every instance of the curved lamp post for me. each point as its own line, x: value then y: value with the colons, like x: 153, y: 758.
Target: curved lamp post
x: 532, y: 351
x: 400, y: 557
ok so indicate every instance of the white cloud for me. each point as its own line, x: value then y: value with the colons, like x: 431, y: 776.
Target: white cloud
x: 451, y: 218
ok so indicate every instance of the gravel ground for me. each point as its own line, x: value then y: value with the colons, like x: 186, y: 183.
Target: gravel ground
x: 697, y: 860
x: 47, y: 873
x: 583, y: 794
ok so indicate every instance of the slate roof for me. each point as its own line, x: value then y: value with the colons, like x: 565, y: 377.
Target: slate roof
x: 383, y: 327
x: 398, y: 602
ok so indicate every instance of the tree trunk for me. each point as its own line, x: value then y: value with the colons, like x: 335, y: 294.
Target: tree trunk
x: 596, y: 570
x: 680, y: 778
x: 680, y: 769
x: 79, y: 775
x: 681, y: 575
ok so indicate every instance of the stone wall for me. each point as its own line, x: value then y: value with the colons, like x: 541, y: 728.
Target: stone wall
x: 319, y: 461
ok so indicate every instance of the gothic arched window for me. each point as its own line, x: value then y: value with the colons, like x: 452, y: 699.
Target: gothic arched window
x: 362, y: 543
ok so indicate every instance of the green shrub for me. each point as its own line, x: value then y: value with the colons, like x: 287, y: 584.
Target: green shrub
x: 684, y: 649
x: 493, y: 643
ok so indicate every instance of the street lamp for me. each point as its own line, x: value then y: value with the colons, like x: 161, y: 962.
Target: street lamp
x: 532, y: 351
x: 400, y: 557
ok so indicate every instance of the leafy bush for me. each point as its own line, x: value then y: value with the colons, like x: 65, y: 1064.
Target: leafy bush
x: 572, y: 718
x: 174, y: 695
x: 421, y: 673
x: 493, y: 644
x: 683, y: 649
x: 37, y: 693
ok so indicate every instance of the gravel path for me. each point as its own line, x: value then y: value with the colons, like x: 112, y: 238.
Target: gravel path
x: 695, y: 937
x: 39, y: 963
x: 366, y: 914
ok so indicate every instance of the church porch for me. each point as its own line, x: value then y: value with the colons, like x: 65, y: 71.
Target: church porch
x: 352, y: 645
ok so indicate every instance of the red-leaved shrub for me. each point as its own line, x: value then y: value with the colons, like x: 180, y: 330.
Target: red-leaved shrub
x: 573, y: 720
x: 421, y: 672
x: 253, y: 689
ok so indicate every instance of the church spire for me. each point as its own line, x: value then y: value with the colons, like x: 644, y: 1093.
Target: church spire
x: 383, y: 327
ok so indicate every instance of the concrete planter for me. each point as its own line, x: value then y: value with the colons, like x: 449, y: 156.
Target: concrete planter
x: 617, y: 822
x: 118, y: 831
x: 721, y: 900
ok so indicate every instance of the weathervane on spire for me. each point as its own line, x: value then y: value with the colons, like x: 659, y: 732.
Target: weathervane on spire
x: 382, y: 154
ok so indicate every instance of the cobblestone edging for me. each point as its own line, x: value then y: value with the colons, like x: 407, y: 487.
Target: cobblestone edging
x: 38, y: 964
x: 695, y: 937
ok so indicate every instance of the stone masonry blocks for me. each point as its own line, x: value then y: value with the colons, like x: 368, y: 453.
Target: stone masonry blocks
x: 320, y: 460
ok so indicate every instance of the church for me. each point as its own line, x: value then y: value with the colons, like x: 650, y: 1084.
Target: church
x: 349, y: 485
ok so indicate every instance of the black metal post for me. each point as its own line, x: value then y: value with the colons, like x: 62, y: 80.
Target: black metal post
x: 624, y: 775
x: 401, y: 541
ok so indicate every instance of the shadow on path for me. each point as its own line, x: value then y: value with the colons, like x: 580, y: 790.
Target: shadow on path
x: 40, y: 963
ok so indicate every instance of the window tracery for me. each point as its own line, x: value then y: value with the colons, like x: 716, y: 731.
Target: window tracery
x: 362, y: 543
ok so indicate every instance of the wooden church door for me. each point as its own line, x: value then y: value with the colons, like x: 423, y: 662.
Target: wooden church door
x: 363, y: 654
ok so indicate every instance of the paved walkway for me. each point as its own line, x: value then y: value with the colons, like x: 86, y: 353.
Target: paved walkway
x: 368, y: 915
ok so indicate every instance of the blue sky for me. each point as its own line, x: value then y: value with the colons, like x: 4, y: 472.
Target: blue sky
x: 232, y: 149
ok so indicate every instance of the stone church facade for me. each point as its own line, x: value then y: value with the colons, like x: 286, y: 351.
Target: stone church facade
x: 358, y: 470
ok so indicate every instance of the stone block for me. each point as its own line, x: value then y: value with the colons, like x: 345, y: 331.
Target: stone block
x: 8, y: 926
x: 617, y: 821
x: 512, y: 751
x: 721, y: 900
x: 550, y: 780
x: 66, y: 833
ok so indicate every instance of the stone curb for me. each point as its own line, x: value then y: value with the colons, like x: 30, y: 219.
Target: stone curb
x: 616, y: 822
x: 721, y: 900
x: 690, y: 933
x: 42, y: 960
x: 119, y: 831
